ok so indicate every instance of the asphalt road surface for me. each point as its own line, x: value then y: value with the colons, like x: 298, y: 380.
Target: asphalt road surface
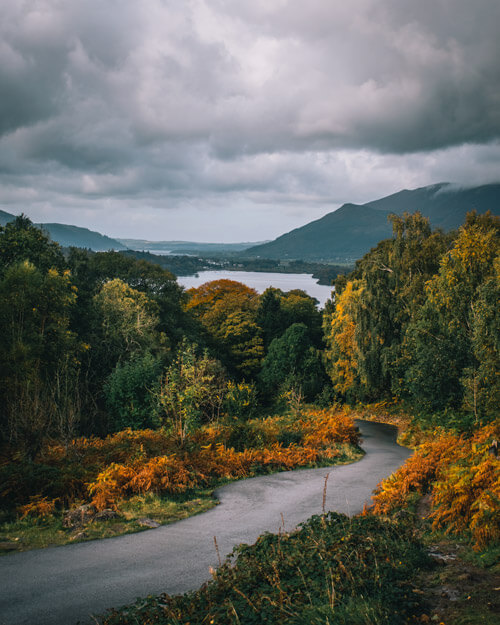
x: 63, y: 585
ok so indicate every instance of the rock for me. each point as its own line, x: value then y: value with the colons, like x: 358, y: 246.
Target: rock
x: 106, y: 515
x: 79, y: 536
x: 148, y: 523
x: 450, y: 593
x: 439, y: 557
x: 78, y: 517
x: 6, y: 545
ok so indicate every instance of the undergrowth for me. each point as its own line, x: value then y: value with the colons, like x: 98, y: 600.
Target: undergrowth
x: 331, y: 570
x: 463, y: 478
x: 109, y: 473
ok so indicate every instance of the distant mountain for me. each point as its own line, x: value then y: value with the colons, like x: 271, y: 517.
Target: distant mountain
x: 5, y: 218
x: 73, y: 236
x: 349, y: 232
x: 186, y: 247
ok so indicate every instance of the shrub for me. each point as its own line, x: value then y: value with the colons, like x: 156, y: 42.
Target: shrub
x: 463, y: 478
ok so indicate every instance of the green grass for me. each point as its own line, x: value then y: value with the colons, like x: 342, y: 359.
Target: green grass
x: 30, y: 533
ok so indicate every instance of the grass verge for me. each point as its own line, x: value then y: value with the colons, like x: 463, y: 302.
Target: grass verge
x: 36, y: 533
x: 26, y: 534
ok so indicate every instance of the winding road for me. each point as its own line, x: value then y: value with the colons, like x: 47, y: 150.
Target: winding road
x: 63, y: 585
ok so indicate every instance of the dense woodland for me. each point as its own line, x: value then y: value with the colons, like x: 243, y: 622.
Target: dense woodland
x: 114, y: 381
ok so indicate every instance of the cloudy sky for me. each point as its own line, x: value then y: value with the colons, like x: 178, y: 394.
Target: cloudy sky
x: 238, y: 120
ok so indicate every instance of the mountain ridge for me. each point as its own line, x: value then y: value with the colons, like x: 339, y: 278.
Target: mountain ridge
x: 353, y: 229
x: 68, y: 235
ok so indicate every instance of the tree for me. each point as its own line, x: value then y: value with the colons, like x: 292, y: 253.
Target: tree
x: 20, y: 240
x: 228, y: 311
x: 129, y: 320
x: 341, y: 352
x: 37, y: 352
x: 130, y: 393
x: 448, y: 336
x: 270, y: 316
x: 393, y: 277
x: 192, y: 391
x: 292, y: 361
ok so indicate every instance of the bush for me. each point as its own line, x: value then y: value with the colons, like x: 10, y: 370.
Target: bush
x: 462, y: 476
x: 332, y: 570
x: 130, y: 393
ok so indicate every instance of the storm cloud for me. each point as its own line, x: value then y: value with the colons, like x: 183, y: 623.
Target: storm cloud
x: 165, y: 119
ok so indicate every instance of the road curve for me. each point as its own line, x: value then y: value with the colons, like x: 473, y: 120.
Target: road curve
x: 63, y: 585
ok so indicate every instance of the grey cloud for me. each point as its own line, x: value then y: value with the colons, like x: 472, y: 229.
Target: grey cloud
x: 280, y: 102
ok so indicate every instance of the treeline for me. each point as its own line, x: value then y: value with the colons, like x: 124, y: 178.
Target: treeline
x: 185, y: 265
x: 92, y: 343
x: 419, y: 320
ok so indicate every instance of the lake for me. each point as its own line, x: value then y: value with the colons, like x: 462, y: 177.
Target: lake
x: 260, y: 281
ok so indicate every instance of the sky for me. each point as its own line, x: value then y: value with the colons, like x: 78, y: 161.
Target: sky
x: 239, y: 120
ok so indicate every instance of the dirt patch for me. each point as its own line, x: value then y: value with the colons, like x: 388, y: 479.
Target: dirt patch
x: 458, y: 592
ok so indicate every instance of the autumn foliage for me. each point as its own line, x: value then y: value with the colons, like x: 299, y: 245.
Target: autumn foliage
x: 199, y: 465
x: 463, y: 478
x: 106, y: 471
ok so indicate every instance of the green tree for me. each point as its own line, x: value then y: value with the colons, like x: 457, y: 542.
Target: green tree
x: 292, y: 361
x: 448, y: 337
x: 131, y: 391
x: 129, y: 321
x: 192, y: 391
x: 20, y: 240
x: 393, y: 277
x: 270, y: 316
x: 37, y: 352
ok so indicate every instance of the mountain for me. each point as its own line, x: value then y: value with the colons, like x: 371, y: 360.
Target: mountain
x: 186, y: 247
x: 73, y: 236
x: 349, y: 232
x: 5, y: 218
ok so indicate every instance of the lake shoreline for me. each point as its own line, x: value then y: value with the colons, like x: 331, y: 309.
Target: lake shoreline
x: 261, y: 280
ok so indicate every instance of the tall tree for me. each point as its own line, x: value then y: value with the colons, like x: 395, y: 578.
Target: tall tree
x: 20, y: 240
x: 228, y: 312
x: 37, y: 352
x: 292, y: 361
x: 448, y: 334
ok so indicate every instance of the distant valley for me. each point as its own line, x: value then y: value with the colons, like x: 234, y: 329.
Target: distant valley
x: 340, y: 237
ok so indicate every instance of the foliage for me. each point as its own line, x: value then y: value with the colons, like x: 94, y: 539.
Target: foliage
x: 292, y: 361
x: 191, y: 391
x: 131, y: 391
x: 207, y: 457
x: 21, y: 241
x: 416, y: 320
x: 137, y: 462
x: 128, y: 317
x: 340, y: 328
x: 227, y: 310
x: 332, y: 570
x: 240, y: 400
x: 447, y: 338
x: 37, y: 351
x: 374, y: 306
x: 463, y: 478
x: 39, y: 507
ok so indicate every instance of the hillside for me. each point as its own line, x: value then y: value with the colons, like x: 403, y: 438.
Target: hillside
x: 350, y: 231
x: 186, y: 247
x: 73, y: 236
